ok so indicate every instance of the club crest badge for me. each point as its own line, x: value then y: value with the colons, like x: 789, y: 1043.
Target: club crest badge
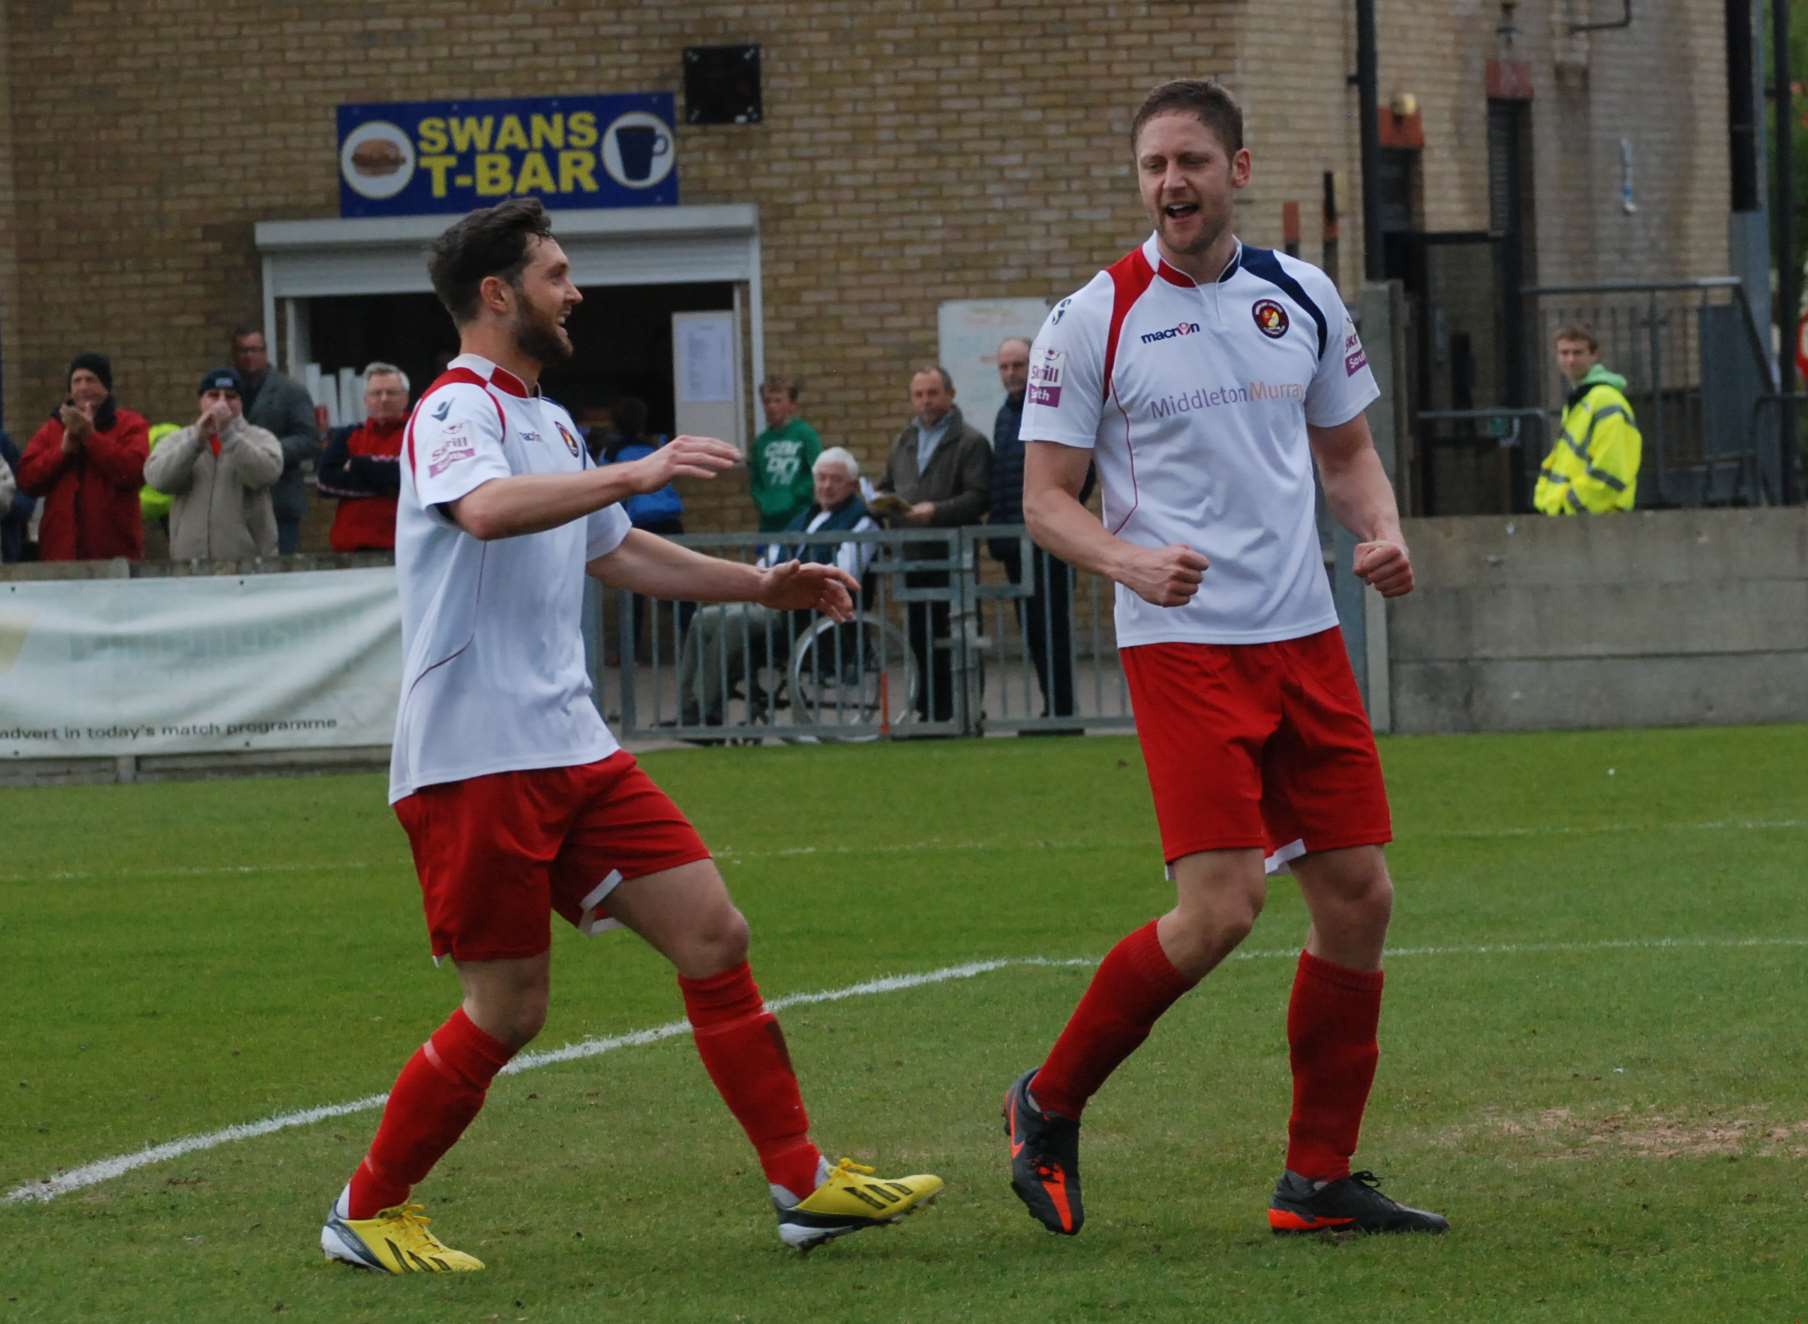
x: 1271, y: 318
x: 571, y: 442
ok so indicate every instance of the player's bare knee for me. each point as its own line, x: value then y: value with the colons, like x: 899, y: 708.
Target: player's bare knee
x: 1235, y: 919
x: 719, y: 942
x: 529, y: 1019
x: 514, y: 1018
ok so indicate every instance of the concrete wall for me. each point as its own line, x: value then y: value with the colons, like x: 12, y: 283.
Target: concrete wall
x: 1662, y: 618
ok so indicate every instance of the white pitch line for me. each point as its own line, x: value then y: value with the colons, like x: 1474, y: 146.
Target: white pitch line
x: 92, y: 1174
x: 735, y: 855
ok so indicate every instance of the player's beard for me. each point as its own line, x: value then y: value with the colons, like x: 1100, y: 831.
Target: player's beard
x: 1211, y: 228
x: 541, y: 339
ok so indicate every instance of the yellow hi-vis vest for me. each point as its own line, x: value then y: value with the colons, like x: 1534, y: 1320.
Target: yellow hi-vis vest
x: 1593, y: 467
x: 153, y: 504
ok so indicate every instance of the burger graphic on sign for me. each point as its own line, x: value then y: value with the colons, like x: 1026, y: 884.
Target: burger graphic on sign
x: 376, y: 160
x: 378, y: 156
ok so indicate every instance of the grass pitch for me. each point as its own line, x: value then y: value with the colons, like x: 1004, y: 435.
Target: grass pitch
x: 1592, y: 1051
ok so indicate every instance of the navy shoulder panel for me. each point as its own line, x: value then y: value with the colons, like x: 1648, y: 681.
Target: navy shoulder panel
x: 1263, y: 263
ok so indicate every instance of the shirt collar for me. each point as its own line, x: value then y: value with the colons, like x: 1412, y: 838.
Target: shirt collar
x: 501, y: 378
x: 1174, y: 275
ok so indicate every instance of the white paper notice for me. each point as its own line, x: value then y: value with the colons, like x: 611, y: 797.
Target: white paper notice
x: 706, y: 358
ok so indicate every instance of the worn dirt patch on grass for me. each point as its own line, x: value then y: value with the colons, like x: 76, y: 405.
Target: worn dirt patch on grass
x: 1563, y: 1133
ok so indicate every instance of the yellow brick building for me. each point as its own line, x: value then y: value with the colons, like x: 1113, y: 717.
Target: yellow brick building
x: 905, y: 157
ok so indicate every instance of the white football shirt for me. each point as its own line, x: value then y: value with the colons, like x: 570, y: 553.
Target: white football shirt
x: 493, y: 674
x: 1195, y: 399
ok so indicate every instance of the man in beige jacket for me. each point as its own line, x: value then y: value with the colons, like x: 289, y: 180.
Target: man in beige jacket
x: 219, y: 470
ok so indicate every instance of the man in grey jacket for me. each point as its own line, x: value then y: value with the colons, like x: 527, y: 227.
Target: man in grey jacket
x: 218, y: 472
x: 280, y: 405
x: 939, y: 474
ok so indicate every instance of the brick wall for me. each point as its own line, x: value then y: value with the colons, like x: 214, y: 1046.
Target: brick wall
x: 956, y: 150
x: 10, y: 312
x: 1661, y: 84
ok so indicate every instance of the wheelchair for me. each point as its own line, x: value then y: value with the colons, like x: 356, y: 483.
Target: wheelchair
x: 847, y: 680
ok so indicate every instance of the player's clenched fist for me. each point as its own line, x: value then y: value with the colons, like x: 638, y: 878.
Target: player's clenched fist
x: 1384, y: 566
x: 1166, y: 576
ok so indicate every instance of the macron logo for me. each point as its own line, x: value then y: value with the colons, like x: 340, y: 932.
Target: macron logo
x: 1183, y: 329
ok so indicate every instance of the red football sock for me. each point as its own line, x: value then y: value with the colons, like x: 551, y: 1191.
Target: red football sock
x: 1133, y: 986
x: 743, y: 1049
x: 1331, y: 1023
x: 434, y: 1100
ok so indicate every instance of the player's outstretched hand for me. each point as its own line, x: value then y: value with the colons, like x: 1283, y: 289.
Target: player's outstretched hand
x: 1384, y: 566
x: 794, y: 585
x: 1165, y: 576
x: 682, y: 457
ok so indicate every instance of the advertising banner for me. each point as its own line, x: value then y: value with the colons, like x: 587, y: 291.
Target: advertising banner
x: 209, y: 664
x: 408, y: 158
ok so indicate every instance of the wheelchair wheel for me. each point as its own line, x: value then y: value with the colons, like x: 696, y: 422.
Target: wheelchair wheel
x: 857, y: 674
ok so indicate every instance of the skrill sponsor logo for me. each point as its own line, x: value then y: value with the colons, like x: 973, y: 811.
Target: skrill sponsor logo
x: 1354, y: 362
x: 1048, y: 373
x: 1046, y: 395
x: 447, y: 456
x: 1179, y: 329
x: 1214, y: 397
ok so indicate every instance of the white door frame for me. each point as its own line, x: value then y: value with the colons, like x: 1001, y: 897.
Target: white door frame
x: 613, y: 246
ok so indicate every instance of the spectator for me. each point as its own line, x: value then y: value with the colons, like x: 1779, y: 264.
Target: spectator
x: 154, y: 506
x: 359, y: 465
x: 938, y: 474
x: 16, y: 504
x: 281, y: 406
x: 218, y: 472
x: 1046, y: 616
x: 784, y: 457
x: 660, y: 512
x: 1593, y: 465
x: 728, y: 640
x: 87, y: 463
x: 7, y: 487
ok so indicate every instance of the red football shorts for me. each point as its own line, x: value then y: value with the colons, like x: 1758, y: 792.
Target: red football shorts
x: 1263, y: 745
x: 498, y: 854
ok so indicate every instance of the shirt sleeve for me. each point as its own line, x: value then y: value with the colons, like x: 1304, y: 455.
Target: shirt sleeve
x: 1343, y: 386
x: 604, y: 530
x: 455, y: 443
x: 1066, y: 389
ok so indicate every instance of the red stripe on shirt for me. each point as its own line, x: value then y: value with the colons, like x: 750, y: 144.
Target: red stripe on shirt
x: 452, y: 377
x: 1130, y: 277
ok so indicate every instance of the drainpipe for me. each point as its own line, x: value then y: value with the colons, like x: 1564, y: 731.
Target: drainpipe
x: 1368, y: 108
x: 1789, y: 274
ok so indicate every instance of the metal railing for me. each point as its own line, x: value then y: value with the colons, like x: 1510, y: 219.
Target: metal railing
x: 945, y: 641
x: 1697, y: 369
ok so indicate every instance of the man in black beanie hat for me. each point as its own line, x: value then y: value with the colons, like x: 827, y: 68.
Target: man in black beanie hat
x: 87, y: 463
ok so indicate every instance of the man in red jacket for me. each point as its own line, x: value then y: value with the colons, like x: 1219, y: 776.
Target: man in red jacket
x: 87, y: 463
x: 359, y: 465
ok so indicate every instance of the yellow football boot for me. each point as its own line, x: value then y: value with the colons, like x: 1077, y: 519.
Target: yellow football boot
x: 852, y: 1198
x: 395, y: 1241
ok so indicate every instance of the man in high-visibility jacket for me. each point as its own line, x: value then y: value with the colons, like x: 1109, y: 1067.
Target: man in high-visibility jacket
x: 1593, y: 465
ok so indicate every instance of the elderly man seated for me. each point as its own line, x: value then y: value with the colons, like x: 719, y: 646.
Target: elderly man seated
x: 728, y: 640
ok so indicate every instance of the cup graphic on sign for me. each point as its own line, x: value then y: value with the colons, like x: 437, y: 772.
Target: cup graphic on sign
x: 639, y: 144
x: 638, y: 151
